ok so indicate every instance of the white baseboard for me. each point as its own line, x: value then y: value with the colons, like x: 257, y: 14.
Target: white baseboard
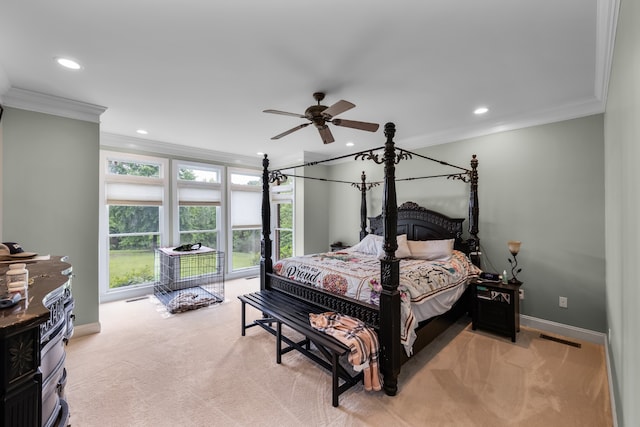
x: 569, y: 331
x: 564, y: 330
x: 612, y: 396
x: 86, y: 329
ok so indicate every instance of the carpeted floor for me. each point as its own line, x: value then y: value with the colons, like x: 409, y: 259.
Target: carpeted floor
x: 194, y: 369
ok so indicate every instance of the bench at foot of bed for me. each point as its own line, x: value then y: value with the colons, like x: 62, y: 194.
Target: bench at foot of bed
x: 281, y: 309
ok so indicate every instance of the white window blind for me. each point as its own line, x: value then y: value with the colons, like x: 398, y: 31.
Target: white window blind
x: 281, y: 192
x: 193, y: 193
x: 134, y: 190
x: 246, y: 205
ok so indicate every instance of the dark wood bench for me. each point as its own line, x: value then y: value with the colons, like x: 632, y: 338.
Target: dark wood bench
x: 283, y: 309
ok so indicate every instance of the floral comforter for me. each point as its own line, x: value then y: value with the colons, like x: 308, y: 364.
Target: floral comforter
x: 357, y: 275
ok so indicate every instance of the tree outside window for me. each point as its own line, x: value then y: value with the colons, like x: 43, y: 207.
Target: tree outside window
x: 282, y: 196
x: 134, y: 198
x: 245, y: 216
x: 199, y: 200
x: 284, y: 230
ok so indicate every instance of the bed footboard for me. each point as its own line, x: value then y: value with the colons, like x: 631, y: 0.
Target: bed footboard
x: 331, y: 302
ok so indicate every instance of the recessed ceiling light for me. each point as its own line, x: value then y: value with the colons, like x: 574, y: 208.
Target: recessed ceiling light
x: 350, y: 144
x: 142, y: 132
x: 480, y: 110
x: 260, y: 153
x: 68, y: 63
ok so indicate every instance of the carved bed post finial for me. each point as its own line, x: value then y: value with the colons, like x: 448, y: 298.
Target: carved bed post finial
x: 474, y: 212
x: 390, y: 203
x: 390, y: 273
x: 363, y: 206
x: 266, y: 263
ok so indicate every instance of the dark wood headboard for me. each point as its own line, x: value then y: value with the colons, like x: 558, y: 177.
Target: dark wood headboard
x: 419, y: 223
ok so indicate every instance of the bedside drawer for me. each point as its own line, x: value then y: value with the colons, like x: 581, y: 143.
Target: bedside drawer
x: 495, y: 315
x: 496, y: 307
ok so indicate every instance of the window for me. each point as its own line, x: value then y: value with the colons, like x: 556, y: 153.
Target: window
x: 134, y: 233
x: 151, y: 202
x: 134, y: 194
x: 282, y: 217
x: 245, y: 213
x: 199, y: 195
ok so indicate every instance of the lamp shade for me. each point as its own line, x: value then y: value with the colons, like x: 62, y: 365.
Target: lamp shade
x: 514, y: 246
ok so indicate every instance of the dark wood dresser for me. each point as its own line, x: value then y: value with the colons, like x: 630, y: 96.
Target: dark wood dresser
x: 33, y: 335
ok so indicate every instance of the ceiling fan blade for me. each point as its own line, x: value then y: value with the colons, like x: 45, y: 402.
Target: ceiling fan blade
x: 284, y: 113
x: 371, y: 127
x: 326, y: 135
x: 337, y: 108
x: 291, y: 130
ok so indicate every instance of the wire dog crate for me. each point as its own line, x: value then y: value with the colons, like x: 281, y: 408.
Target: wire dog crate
x: 189, y: 280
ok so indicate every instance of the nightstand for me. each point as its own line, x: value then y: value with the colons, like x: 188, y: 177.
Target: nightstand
x: 338, y: 246
x: 496, y: 307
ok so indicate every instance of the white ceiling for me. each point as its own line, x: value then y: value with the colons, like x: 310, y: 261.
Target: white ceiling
x: 200, y: 72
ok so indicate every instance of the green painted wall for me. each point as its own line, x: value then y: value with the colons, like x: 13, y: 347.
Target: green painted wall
x: 312, y: 209
x: 622, y: 151
x: 50, y: 195
x: 542, y: 185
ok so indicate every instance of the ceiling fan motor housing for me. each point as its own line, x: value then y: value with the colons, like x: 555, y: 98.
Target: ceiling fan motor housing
x: 314, y: 113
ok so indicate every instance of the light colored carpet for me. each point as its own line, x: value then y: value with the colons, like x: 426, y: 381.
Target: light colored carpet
x: 195, y: 369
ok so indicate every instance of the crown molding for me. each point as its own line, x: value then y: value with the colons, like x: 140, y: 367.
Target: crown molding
x: 54, y: 105
x: 148, y: 146
x: 584, y: 108
x: 606, y: 25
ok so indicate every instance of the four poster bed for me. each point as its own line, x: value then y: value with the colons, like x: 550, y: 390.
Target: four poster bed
x: 387, y: 298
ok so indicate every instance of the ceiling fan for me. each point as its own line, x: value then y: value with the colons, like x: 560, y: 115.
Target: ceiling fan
x: 320, y: 115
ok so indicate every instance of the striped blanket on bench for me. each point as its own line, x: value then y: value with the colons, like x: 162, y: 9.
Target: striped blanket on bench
x: 361, y: 340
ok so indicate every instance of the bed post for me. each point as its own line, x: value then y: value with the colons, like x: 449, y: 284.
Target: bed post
x: 266, y: 263
x: 363, y: 206
x: 390, y: 273
x: 474, y: 212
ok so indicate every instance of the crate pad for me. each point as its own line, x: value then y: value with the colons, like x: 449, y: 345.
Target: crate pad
x: 187, y: 299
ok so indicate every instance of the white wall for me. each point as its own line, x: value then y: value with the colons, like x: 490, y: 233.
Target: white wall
x: 542, y: 185
x: 622, y: 154
x: 50, y: 197
x: 312, y: 211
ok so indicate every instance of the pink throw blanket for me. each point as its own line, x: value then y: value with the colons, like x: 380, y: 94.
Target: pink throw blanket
x: 361, y: 340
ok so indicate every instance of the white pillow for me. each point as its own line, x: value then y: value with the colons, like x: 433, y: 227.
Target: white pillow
x: 403, y: 250
x: 432, y: 250
x: 370, y: 245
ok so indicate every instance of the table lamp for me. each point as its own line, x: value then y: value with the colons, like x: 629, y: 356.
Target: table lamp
x: 514, y: 248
